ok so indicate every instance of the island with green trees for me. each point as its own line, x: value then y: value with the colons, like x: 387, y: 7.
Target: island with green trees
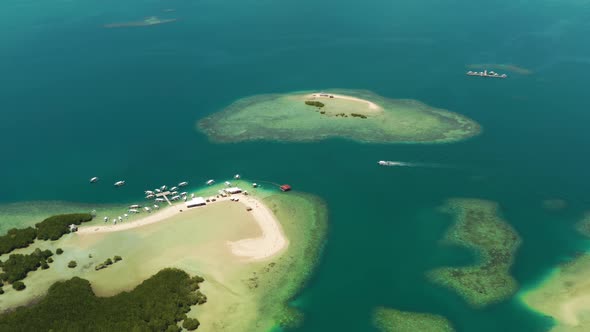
x: 353, y: 114
x: 250, y: 279
x: 478, y: 226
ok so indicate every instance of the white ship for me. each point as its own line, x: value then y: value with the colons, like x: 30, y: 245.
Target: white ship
x: 210, y: 182
x: 486, y: 73
x: 119, y: 183
x: 183, y: 184
x: 94, y: 179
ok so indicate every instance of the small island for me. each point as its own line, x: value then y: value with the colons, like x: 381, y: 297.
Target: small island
x: 353, y: 114
x: 391, y: 320
x: 256, y: 248
x: 479, y: 227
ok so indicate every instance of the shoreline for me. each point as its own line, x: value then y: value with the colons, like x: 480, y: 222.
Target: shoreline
x: 270, y: 243
x: 371, y: 104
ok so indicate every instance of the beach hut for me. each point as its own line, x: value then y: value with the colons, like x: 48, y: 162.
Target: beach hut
x: 232, y: 190
x: 197, y: 201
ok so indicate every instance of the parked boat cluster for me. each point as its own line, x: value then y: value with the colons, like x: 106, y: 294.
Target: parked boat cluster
x: 159, y: 195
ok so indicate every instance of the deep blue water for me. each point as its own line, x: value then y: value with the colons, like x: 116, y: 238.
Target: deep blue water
x: 80, y: 100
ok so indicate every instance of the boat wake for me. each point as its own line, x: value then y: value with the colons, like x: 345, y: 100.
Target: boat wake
x: 406, y: 164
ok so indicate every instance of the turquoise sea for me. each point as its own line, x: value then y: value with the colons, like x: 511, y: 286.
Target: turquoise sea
x: 80, y: 100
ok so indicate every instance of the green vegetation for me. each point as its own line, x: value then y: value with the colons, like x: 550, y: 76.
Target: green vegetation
x: 17, y: 238
x: 357, y: 115
x: 19, y: 285
x: 479, y: 227
x: 157, y: 304
x: 59, y: 251
x: 72, y: 264
x: 191, y: 324
x: 314, y: 103
x: 17, y: 266
x: 390, y: 320
x: 54, y: 227
x: 107, y: 262
x: 1, y: 291
x: 51, y: 228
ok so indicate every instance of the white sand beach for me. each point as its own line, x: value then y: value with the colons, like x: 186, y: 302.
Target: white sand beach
x: 271, y: 242
x: 370, y: 104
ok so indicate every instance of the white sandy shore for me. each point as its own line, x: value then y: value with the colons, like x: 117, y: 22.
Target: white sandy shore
x: 269, y: 244
x: 272, y: 240
x: 371, y: 104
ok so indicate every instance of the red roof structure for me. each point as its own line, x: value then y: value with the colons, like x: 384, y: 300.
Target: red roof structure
x: 285, y: 187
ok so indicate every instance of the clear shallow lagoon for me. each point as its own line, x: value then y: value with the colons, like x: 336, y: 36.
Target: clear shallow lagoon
x: 79, y: 100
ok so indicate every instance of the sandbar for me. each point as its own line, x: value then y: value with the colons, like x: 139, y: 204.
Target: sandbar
x: 358, y: 115
x: 271, y: 242
x: 564, y: 294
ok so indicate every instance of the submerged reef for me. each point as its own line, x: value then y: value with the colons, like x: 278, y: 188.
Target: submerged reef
x: 358, y: 115
x: 391, y: 320
x: 478, y: 226
x: 500, y: 66
x: 583, y: 226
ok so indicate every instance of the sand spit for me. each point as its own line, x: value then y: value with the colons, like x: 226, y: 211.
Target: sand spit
x: 321, y: 95
x: 272, y: 241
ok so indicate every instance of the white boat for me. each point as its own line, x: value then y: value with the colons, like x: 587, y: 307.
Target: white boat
x: 119, y: 183
x: 254, y: 185
x: 210, y: 182
x: 94, y: 179
x: 156, y: 206
x: 133, y: 211
x: 175, y: 198
x: 174, y: 193
x: 149, y: 192
x: 163, y: 188
x: 134, y: 206
x: 227, y: 183
x: 160, y: 199
x: 389, y: 163
x: 150, y: 196
x: 184, y: 193
x: 183, y: 184
x: 237, y: 176
x: 147, y: 209
x: 157, y: 191
x: 174, y: 189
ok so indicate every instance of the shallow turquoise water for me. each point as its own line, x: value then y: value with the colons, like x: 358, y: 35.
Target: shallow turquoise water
x: 79, y: 100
